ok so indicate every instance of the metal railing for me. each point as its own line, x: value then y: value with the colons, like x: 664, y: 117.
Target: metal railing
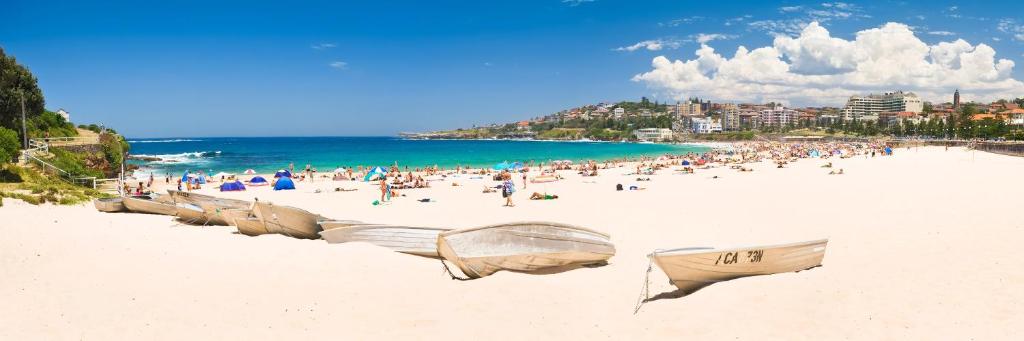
x: 43, y: 145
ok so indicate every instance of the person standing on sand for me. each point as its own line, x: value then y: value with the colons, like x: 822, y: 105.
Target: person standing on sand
x: 507, y: 188
x: 524, y: 180
x: 383, y: 188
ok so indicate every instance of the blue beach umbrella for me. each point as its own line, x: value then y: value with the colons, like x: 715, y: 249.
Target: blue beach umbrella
x: 375, y: 171
x: 502, y: 166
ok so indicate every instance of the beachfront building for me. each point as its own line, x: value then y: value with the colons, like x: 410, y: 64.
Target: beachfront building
x: 705, y: 125
x: 65, y: 114
x: 730, y: 117
x: 1015, y: 117
x: 653, y: 134
x: 778, y: 116
x: 689, y: 109
x: 868, y: 107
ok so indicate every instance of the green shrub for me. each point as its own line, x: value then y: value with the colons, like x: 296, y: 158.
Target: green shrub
x: 9, y: 145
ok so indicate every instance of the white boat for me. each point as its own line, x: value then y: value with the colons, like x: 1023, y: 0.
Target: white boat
x: 151, y: 204
x: 289, y: 221
x: 691, y: 269
x: 537, y: 247
x: 109, y: 204
x: 420, y: 241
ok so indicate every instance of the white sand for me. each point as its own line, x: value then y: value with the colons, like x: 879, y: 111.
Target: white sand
x: 923, y: 245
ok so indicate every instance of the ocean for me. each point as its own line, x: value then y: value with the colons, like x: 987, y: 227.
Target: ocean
x: 268, y: 154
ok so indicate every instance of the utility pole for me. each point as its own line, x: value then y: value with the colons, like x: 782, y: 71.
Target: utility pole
x: 24, y: 130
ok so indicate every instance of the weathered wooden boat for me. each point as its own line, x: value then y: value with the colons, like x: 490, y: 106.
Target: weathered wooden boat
x: 289, y: 221
x: 109, y: 204
x: 251, y: 226
x: 420, y: 241
x: 533, y: 247
x: 214, y: 208
x: 691, y: 269
x: 151, y: 204
x: 190, y: 214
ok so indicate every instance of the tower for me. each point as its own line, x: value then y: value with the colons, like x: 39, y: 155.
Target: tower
x: 956, y: 99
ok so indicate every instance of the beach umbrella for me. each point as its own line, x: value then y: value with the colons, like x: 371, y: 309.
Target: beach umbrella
x: 502, y: 166
x: 339, y: 170
x: 250, y: 171
x: 185, y: 176
x: 222, y: 174
x: 284, y: 183
x: 232, y: 186
x: 375, y: 171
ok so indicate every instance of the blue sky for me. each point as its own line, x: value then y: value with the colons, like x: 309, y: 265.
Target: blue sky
x: 365, y: 68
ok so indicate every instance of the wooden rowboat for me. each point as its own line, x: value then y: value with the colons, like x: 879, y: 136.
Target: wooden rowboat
x: 289, y: 221
x: 420, y: 241
x: 151, y: 204
x: 691, y: 269
x: 109, y: 204
x: 213, y: 208
x: 534, y: 247
x: 251, y: 226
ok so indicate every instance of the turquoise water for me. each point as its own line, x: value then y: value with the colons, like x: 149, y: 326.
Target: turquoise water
x: 268, y: 154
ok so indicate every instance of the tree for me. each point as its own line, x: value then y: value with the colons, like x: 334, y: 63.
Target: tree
x: 9, y: 145
x: 15, y: 81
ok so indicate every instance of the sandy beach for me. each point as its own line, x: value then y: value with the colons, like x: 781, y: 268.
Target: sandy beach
x: 923, y: 245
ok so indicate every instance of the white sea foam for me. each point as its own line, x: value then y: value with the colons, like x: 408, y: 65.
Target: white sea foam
x: 190, y: 157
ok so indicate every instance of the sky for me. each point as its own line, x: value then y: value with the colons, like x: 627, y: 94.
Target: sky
x: 332, y: 68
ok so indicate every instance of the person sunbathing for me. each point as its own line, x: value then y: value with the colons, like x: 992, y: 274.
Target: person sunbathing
x: 538, y: 196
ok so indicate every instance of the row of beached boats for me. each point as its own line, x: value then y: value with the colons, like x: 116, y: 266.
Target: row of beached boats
x: 528, y: 247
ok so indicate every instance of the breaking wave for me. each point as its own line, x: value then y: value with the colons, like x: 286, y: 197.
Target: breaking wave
x: 164, y: 141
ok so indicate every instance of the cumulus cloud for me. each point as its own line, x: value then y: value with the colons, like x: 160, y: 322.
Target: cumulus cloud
x: 814, y: 68
x: 1011, y: 27
x: 651, y: 45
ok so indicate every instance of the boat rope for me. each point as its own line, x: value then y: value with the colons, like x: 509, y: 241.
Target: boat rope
x: 645, y: 290
x: 450, y: 273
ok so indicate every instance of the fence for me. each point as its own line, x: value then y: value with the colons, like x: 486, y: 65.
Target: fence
x: 43, y: 145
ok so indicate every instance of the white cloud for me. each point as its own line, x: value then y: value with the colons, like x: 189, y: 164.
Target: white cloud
x: 488, y: 64
x: 574, y: 3
x: 322, y: 46
x: 704, y: 38
x: 681, y: 21
x: 1012, y: 28
x: 736, y: 20
x: 790, y: 8
x: 814, y: 68
x: 941, y: 33
x: 651, y: 45
x: 792, y: 25
x: 340, y: 65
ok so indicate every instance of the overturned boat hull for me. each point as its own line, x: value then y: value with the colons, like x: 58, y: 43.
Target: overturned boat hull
x: 109, y: 204
x: 150, y: 204
x: 214, y: 208
x: 289, y: 221
x: 420, y: 241
x: 532, y: 247
x: 691, y: 269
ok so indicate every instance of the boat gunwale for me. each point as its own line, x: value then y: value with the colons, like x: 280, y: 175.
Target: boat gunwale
x: 686, y: 251
x: 545, y: 223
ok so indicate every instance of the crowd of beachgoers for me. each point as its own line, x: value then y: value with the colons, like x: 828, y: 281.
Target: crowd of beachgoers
x: 394, y: 179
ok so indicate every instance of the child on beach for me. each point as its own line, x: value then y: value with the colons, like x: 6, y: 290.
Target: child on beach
x: 507, y: 188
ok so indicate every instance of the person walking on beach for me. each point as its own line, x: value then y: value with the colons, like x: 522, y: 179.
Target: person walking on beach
x: 383, y: 188
x: 507, y: 188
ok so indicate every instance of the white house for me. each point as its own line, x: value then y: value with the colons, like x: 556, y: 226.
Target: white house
x: 65, y: 114
x: 653, y: 134
x: 619, y: 112
x: 705, y: 125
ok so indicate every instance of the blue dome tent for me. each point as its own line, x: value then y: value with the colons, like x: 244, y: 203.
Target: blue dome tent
x: 232, y: 186
x: 258, y: 181
x: 284, y: 183
x: 184, y: 176
x: 283, y: 174
x: 375, y: 171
